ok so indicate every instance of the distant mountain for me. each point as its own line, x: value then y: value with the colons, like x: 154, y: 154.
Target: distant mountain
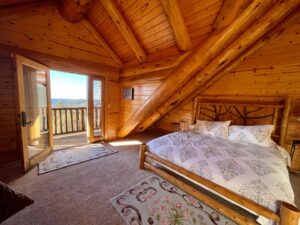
x: 68, y: 103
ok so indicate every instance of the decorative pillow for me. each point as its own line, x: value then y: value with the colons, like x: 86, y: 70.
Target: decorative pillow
x: 214, y: 128
x: 11, y: 202
x: 191, y: 127
x: 260, y: 134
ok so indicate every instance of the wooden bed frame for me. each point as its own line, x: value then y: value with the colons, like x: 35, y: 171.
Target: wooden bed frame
x: 252, y: 111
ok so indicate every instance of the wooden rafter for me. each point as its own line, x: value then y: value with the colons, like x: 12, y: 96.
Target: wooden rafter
x: 125, y: 30
x: 229, y: 11
x: 102, y: 42
x: 197, y: 60
x: 172, y: 10
x: 155, y: 66
x: 193, y: 88
x: 146, y: 78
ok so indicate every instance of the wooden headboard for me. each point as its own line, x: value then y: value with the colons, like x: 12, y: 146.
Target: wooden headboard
x: 246, y: 110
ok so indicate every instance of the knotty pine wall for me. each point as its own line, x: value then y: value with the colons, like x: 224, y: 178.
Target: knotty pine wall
x: 142, y: 91
x: 8, y: 129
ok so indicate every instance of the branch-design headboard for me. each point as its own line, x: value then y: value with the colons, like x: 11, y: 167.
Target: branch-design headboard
x: 245, y: 110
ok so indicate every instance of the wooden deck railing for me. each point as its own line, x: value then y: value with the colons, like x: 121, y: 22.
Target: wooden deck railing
x: 69, y: 120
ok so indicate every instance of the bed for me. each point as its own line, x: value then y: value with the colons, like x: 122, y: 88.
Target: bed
x: 253, y: 177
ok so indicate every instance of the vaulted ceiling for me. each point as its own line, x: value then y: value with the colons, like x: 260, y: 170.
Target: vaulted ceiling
x: 147, y: 21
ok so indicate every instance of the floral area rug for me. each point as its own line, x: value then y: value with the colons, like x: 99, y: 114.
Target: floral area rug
x: 72, y: 156
x: 156, y: 201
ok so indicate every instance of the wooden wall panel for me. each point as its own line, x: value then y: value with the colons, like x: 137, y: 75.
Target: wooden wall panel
x: 142, y: 91
x: 39, y: 27
x: 8, y: 130
x: 272, y: 71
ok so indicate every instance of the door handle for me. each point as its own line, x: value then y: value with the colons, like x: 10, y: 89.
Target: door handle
x: 24, y: 121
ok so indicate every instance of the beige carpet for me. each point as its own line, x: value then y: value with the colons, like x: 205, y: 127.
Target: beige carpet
x: 80, y: 194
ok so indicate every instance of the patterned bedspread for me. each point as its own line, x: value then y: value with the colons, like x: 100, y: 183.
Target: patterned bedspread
x: 258, y: 173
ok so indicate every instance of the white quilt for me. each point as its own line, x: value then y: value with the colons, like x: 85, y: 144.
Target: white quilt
x: 258, y: 173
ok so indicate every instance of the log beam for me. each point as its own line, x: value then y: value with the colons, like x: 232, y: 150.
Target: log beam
x: 196, y: 61
x: 191, y: 90
x: 155, y: 66
x: 73, y: 11
x: 218, y: 67
x: 146, y: 78
x: 102, y: 42
x: 172, y: 10
x: 125, y: 30
x: 229, y: 12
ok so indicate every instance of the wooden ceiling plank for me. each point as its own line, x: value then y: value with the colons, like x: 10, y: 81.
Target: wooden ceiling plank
x: 229, y: 11
x: 125, y: 30
x: 102, y: 42
x: 177, y: 23
x: 247, y: 44
x: 196, y: 61
x: 155, y: 66
x: 64, y: 64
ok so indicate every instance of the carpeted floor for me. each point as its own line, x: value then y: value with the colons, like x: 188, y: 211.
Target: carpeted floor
x: 80, y: 194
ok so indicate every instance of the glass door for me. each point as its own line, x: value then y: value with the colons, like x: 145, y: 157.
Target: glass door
x: 34, y: 111
x: 95, y: 120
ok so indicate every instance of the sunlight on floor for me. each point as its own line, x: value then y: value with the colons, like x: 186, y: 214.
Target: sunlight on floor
x: 124, y: 143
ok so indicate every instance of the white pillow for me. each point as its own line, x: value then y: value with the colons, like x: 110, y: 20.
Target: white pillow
x: 260, y: 134
x: 191, y: 127
x: 214, y: 128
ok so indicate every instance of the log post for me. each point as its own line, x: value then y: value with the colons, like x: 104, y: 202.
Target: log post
x: 289, y: 214
x: 229, y: 55
x: 143, y: 148
x: 72, y: 10
x: 284, y: 123
x: 196, y: 61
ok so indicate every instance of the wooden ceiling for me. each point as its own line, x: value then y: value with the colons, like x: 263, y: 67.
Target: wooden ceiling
x: 146, y: 20
x: 150, y: 26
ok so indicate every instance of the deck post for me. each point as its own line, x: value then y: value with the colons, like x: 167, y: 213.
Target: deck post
x: 143, y: 148
x: 289, y: 214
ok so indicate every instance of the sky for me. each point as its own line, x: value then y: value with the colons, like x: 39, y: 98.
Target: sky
x: 68, y: 85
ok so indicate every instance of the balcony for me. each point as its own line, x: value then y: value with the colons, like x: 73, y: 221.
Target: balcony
x: 69, y: 125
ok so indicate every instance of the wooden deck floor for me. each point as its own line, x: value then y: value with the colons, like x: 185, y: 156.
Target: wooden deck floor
x: 65, y: 141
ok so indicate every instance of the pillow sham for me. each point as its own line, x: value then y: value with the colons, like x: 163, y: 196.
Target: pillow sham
x: 11, y: 202
x: 259, y: 134
x: 213, y: 128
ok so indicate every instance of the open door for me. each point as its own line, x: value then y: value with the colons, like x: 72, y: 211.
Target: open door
x: 95, y: 109
x: 34, y: 111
